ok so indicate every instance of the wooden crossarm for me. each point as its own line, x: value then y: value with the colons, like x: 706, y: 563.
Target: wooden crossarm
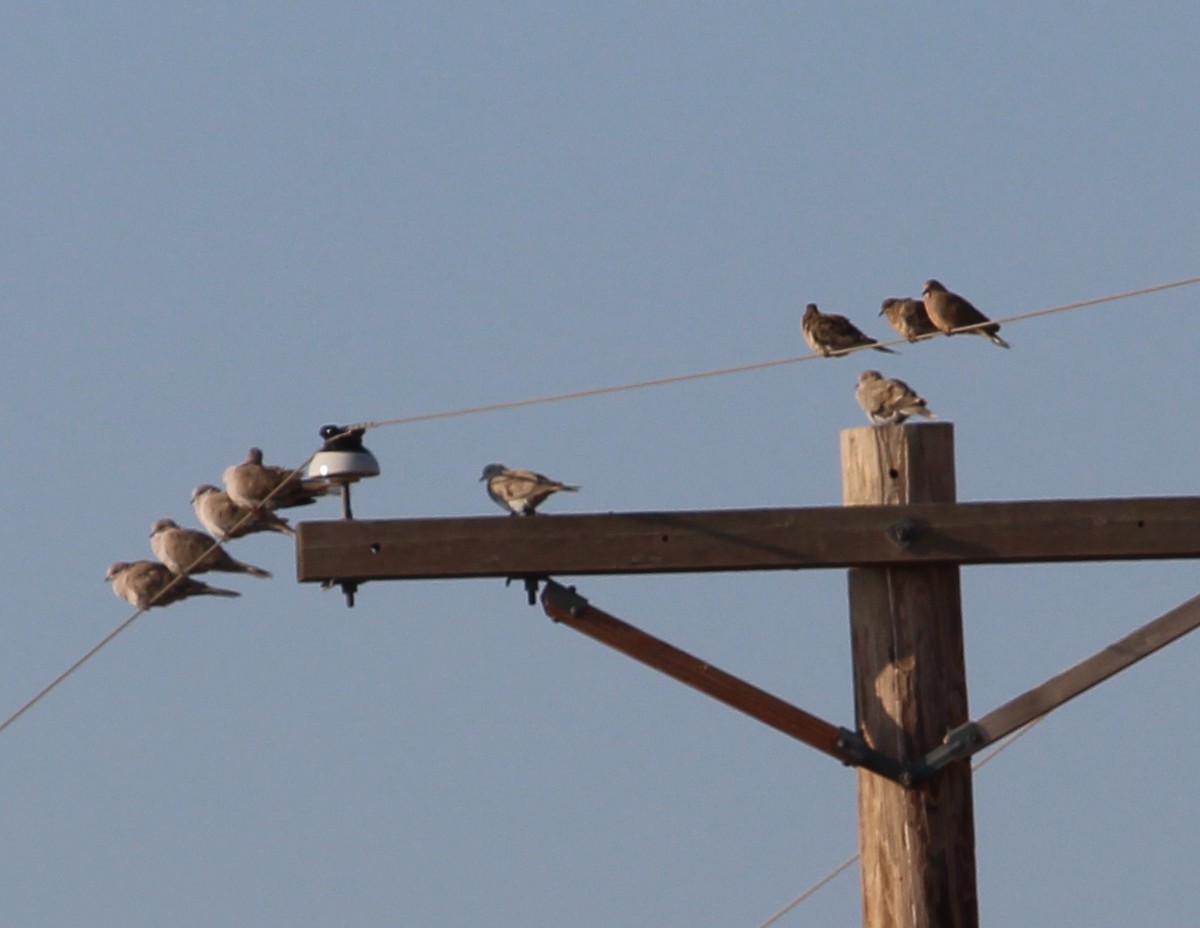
x: 749, y: 539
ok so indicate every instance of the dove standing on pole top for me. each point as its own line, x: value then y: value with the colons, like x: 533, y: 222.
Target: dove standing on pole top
x: 251, y: 482
x: 520, y: 491
x: 829, y: 334
x: 187, y: 551
x: 887, y: 401
x: 949, y: 311
x: 908, y: 317
x: 138, y: 582
x: 224, y: 519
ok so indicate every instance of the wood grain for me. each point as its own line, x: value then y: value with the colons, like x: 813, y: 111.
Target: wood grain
x: 917, y: 844
x: 932, y: 531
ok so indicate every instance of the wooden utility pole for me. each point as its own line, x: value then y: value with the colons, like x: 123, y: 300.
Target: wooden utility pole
x: 917, y: 844
x: 903, y: 537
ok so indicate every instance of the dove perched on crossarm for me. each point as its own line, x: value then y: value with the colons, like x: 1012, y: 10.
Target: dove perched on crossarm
x: 908, y: 317
x: 139, y: 582
x: 252, y: 483
x: 224, y: 519
x: 185, y: 550
x: 887, y: 401
x: 520, y: 491
x: 830, y: 334
x: 949, y: 311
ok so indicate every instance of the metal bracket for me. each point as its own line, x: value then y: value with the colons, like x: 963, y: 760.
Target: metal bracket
x: 566, y: 599
x: 531, y: 586
x: 959, y: 744
x: 860, y: 754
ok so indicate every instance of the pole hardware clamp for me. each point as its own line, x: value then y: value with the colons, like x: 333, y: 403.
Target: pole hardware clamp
x: 959, y: 744
x: 565, y: 599
x: 904, y: 532
x: 856, y: 752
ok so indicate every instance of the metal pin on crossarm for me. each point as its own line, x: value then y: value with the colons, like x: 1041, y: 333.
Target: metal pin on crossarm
x: 343, y: 461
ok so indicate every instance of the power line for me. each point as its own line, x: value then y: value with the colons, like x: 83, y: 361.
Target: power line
x: 812, y: 890
x: 175, y: 581
x: 755, y: 366
x: 45, y: 691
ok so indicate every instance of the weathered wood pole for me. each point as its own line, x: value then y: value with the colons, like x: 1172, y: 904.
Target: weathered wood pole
x: 917, y: 844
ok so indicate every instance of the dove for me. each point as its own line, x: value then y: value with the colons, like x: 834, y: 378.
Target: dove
x: 949, y: 311
x: 908, y: 317
x: 138, y: 582
x: 830, y: 334
x: 251, y: 482
x: 887, y: 401
x: 187, y: 551
x: 224, y: 519
x: 520, y: 491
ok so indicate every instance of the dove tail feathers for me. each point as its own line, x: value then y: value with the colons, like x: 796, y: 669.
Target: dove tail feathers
x: 255, y: 571
x: 884, y: 349
x: 997, y: 340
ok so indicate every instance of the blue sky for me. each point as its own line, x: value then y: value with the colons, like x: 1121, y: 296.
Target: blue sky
x: 228, y: 225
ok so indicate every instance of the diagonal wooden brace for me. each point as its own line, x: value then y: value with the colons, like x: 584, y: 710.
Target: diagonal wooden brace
x: 1033, y: 704
x: 566, y: 606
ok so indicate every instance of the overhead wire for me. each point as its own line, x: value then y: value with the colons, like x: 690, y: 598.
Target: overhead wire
x: 175, y: 581
x: 562, y: 397
x: 754, y: 366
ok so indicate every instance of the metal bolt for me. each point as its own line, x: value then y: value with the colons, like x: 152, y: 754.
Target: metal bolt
x: 904, y: 532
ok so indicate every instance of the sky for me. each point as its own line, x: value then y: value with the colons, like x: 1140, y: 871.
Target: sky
x: 229, y: 224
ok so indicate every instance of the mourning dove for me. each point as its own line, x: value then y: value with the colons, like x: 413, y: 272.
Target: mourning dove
x: 138, y: 583
x: 908, y: 317
x: 224, y: 519
x: 187, y: 551
x: 830, y: 334
x: 887, y: 401
x: 520, y: 491
x: 949, y: 311
x: 250, y: 484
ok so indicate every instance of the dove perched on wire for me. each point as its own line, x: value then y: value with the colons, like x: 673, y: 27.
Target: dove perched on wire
x: 887, y: 401
x: 520, y: 491
x: 250, y: 484
x: 829, y: 334
x: 224, y: 519
x: 949, y: 311
x: 187, y: 551
x: 138, y: 582
x: 908, y: 317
